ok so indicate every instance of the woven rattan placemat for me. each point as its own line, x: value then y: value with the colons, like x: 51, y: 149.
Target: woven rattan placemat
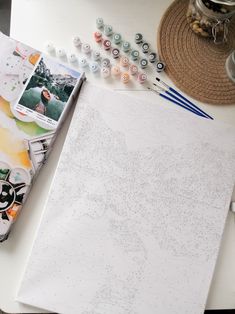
x: 195, y: 64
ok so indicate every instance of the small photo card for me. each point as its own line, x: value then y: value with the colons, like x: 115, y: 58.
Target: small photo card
x: 47, y: 92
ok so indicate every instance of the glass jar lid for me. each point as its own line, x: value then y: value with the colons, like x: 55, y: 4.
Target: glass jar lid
x: 225, y: 2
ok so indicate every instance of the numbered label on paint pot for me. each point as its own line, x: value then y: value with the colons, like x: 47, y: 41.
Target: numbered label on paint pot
x: 115, y: 70
x: 107, y: 44
x: 124, y: 61
x: 105, y: 63
x: 99, y: 22
x: 105, y: 72
x: 125, y: 78
x: 138, y: 38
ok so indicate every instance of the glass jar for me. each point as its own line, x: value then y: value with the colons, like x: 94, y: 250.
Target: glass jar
x: 211, y: 18
x: 230, y: 66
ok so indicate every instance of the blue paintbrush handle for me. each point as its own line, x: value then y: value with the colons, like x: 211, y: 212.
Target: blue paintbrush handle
x: 181, y: 105
x: 188, y: 101
x: 184, y: 103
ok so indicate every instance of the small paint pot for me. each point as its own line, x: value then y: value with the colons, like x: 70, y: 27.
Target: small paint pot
x: 125, y: 78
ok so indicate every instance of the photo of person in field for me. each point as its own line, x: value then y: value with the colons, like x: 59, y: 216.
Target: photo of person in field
x: 49, y: 89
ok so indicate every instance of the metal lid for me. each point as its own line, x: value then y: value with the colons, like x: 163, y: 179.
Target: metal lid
x: 226, y: 2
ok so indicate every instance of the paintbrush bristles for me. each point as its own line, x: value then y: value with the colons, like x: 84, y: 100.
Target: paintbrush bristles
x: 161, y: 88
x: 163, y: 83
x: 153, y: 90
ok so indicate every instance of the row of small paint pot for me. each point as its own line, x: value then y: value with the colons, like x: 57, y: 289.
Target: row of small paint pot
x: 134, y: 54
x: 125, y: 45
x: 106, y: 63
x: 125, y: 76
x: 98, y: 64
x: 87, y: 50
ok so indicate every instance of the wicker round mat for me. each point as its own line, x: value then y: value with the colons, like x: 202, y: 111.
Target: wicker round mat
x: 195, y: 64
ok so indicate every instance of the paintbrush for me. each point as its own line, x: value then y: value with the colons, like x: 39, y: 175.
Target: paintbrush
x: 178, y: 99
x: 176, y: 102
x: 188, y: 102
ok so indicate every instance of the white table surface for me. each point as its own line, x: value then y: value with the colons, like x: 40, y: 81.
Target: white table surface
x: 36, y: 21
